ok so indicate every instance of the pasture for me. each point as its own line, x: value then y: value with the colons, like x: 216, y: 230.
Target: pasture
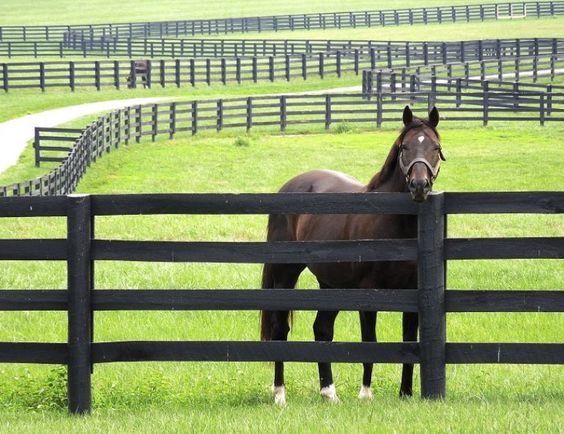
x: 236, y: 397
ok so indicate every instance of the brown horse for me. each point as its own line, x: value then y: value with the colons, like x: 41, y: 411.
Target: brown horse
x: 411, y: 166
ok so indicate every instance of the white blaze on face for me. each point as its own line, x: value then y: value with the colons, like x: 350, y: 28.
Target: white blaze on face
x: 421, y: 138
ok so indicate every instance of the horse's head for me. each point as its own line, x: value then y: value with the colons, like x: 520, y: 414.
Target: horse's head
x: 420, y: 153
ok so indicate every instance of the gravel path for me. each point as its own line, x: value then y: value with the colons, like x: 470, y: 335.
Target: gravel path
x: 16, y: 133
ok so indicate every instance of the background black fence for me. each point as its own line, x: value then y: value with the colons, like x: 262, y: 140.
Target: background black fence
x: 277, y: 112
x: 431, y: 249
x: 298, y: 59
x: 103, y: 33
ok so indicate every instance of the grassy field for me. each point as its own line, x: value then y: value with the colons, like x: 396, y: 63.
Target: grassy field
x: 531, y: 27
x: 215, y: 397
x: 85, y: 11
x: 218, y: 397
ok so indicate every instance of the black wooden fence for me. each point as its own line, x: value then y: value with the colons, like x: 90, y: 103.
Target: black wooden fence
x: 327, y: 20
x: 338, y: 58
x: 277, y: 112
x: 436, y: 52
x: 431, y: 249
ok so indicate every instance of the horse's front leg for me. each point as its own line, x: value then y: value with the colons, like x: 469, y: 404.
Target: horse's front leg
x: 410, y: 324
x: 368, y: 332
x: 323, y: 329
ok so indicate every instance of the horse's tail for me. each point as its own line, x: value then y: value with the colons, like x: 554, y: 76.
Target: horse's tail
x: 277, y: 231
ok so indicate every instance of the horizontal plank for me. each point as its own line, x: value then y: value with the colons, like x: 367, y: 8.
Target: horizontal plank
x: 33, y: 206
x: 505, y: 353
x: 229, y: 351
x: 271, y: 299
x: 33, y: 352
x: 505, y: 202
x: 505, y: 248
x: 256, y: 252
x: 504, y: 301
x: 59, y: 130
x: 33, y: 300
x: 277, y: 203
x: 34, y: 249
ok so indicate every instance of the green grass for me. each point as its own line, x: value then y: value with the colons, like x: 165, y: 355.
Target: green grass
x: 215, y: 397
x: 96, y: 11
x: 531, y: 27
x: 21, y: 102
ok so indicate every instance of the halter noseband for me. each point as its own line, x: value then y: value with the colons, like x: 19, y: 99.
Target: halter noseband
x: 407, y: 169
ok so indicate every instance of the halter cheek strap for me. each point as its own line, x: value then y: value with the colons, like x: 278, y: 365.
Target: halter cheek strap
x: 407, y: 169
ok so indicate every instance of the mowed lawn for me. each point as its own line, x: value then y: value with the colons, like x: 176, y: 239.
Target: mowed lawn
x: 96, y: 11
x: 212, y: 397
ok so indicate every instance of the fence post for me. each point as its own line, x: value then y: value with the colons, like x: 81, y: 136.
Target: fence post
x: 249, y: 112
x: 327, y: 111
x: 219, y: 113
x: 192, y: 68
x: 42, y: 76
x: 431, y: 296
x: 283, y: 113
x: 549, y: 99
x: 194, y: 117
x: 485, y: 101
x: 36, y: 144
x: 541, y: 109
x: 116, y: 74
x: 79, y: 229
x: 97, y: 75
x: 379, y: 109
x: 5, y: 77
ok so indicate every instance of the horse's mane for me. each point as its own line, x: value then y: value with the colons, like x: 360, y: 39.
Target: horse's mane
x: 389, y: 166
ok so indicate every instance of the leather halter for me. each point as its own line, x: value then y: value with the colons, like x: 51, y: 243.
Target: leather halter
x: 433, y: 169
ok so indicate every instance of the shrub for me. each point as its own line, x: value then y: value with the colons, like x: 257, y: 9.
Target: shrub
x: 343, y: 128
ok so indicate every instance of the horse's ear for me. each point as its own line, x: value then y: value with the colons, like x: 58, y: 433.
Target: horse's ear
x: 434, y: 117
x: 407, y: 115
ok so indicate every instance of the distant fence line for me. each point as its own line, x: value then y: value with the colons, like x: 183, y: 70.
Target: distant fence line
x: 327, y: 20
x: 173, y: 48
x: 499, y: 72
x: 340, y: 57
x: 279, y: 112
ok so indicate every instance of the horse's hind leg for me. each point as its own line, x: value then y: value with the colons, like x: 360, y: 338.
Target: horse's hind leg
x: 323, y: 329
x: 410, y: 324
x: 368, y: 332
x: 275, y: 324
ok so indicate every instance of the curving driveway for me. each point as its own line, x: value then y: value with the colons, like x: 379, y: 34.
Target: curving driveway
x: 16, y: 133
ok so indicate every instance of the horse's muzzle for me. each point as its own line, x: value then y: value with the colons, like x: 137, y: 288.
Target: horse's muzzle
x: 419, y: 189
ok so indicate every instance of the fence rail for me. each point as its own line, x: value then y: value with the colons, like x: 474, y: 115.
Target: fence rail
x: 327, y: 20
x: 175, y: 48
x: 337, y: 59
x: 280, y: 112
x: 81, y: 249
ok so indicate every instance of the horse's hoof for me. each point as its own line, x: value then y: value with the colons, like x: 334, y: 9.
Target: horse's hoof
x: 279, y: 395
x: 406, y: 393
x: 329, y: 393
x: 365, y: 393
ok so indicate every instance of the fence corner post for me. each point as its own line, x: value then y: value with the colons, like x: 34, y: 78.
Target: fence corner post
x: 431, y: 296
x: 79, y: 274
